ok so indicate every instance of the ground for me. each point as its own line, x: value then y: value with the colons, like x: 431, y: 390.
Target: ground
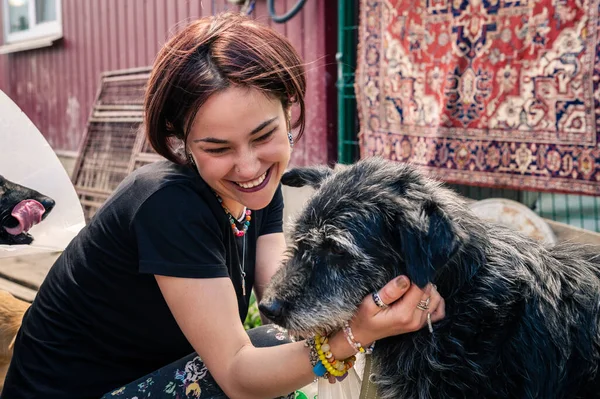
x: 22, y: 275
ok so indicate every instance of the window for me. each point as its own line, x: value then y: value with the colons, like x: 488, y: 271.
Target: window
x: 31, y: 19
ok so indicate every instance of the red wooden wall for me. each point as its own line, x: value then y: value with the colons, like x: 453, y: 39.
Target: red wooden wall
x: 56, y: 86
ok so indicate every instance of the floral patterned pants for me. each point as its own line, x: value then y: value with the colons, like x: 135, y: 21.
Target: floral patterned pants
x: 188, y: 378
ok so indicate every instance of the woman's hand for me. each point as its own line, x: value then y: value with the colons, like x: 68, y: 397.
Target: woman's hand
x: 401, y: 315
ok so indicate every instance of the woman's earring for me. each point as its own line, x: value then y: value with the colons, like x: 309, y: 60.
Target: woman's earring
x: 291, y: 139
x: 190, y: 159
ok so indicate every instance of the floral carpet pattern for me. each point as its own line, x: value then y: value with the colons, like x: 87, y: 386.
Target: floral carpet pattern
x: 498, y: 93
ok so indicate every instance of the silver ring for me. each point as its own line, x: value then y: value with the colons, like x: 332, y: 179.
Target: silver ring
x: 378, y: 301
x: 424, y: 305
x: 429, y: 323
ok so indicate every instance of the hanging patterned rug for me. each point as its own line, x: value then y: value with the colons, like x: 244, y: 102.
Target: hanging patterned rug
x: 491, y: 93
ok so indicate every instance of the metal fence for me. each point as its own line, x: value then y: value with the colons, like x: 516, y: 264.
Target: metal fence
x: 575, y: 210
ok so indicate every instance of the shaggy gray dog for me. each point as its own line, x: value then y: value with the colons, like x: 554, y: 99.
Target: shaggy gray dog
x: 521, y: 318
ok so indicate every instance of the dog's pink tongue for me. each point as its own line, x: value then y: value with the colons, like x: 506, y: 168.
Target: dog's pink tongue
x: 29, y: 213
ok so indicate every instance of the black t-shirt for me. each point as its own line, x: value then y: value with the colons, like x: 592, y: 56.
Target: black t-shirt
x: 99, y: 320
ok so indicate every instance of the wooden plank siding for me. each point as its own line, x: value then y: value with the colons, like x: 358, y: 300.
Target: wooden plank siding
x: 56, y: 86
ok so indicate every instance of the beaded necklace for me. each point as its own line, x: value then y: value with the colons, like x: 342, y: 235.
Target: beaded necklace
x: 236, y: 232
x: 239, y: 233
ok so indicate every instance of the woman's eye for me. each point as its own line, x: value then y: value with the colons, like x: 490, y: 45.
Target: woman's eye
x: 265, y: 136
x: 215, y: 150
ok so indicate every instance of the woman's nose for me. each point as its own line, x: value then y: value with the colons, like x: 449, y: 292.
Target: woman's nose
x: 248, y: 165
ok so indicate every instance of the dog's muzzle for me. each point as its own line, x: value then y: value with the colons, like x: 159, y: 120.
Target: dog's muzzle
x: 274, y: 310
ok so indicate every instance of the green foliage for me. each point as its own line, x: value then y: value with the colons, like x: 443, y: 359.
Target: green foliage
x: 253, y: 318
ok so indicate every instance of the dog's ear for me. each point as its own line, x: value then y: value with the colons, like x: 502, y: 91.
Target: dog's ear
x: 312, y: 176
x: 428, y: 245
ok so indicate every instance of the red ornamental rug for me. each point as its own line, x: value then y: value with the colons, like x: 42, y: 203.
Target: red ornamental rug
x: 499, y: 93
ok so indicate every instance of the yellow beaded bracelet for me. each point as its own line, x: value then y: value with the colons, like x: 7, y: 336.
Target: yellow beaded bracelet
x: 333, y: 367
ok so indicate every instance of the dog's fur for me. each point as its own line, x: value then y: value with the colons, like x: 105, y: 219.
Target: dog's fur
x: 521, y: 318
x: 11, y: 315
x: 12, y: 194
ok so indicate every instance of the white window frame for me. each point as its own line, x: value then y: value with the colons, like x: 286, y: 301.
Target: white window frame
x: 51, y: 29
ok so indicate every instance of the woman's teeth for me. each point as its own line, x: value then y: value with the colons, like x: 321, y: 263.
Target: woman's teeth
x: 254, y: 182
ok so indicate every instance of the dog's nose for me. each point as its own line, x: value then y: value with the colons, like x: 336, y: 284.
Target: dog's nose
x: 273, y: 309
x: 48, y: 203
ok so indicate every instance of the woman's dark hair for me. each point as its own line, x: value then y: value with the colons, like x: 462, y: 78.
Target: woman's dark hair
x: 208, y: 56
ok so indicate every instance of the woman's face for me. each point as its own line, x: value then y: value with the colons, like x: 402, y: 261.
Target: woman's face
x: 239, y: 142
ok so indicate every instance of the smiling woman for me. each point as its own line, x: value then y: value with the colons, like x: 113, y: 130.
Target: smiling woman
x: 228, y: 97
x: 244, y: 165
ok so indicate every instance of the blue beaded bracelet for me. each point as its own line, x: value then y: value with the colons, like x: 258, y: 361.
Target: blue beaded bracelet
x: 319, y: 369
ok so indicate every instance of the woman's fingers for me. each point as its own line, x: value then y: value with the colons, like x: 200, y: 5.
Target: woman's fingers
x: 440, y: 312
x: 403, y: 316
x: 394, y: 290
x: 431, y: 304
x: 370, y: 322
x: 389, y: 294
x: 398, y: 312
x: 415, y: 295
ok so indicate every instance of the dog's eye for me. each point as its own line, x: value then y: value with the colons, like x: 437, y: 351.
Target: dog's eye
x: 336, y: 249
